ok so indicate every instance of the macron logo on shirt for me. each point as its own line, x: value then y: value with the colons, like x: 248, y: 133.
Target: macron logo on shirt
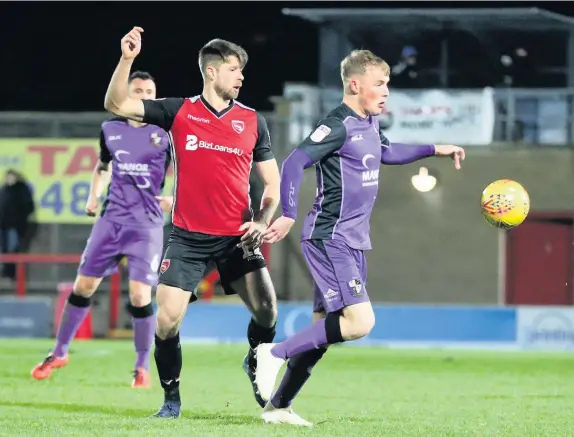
x: 198, y: 119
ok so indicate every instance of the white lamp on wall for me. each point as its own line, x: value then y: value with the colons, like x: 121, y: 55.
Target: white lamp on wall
x: 423, y: 181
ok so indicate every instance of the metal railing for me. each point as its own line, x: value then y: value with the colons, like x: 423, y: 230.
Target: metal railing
x: 535, y: 116
x: 526, y: 116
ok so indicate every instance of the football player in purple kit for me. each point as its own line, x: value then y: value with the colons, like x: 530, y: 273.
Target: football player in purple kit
x: 347, y: 149
x: 130, y: 225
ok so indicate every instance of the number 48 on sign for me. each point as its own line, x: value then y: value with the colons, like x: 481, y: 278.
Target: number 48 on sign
x: 65, y: 201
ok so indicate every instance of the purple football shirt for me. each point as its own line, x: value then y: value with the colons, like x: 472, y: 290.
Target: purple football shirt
x: 140, y: 158
x: 347, y: 151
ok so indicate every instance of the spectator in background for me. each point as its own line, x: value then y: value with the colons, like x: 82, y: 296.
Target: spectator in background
x: 404, y: 73
x: 518, y: 69
x: 16, y: 209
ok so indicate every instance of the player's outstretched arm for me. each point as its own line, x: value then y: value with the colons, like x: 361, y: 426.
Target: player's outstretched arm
x: 291, y: 179
x: 455, y: 152
x: 117, y: 100
x: 292, y: 172
x: 399, y: 154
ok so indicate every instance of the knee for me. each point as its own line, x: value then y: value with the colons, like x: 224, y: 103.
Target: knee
x: 171, y: 307
x: 265, y: 312
x: 357, y: 324
x: 168, y: 323
x: 360, y: 329
x: 140, y: 294
x: 85, y: 286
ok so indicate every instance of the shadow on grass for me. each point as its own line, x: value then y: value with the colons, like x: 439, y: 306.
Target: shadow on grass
x: 532, y: 396
x: 135, y: 413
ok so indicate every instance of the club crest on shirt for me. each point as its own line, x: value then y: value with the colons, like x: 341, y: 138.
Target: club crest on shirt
x: 237, y: 126
x: 155, y: 139
x: 320, y: 133
x: 356, y: 287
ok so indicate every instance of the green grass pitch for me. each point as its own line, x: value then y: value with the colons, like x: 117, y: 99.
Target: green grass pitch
x: 354, y: 392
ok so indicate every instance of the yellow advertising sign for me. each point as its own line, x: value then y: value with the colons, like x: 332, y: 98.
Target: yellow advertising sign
x: 59, y: 172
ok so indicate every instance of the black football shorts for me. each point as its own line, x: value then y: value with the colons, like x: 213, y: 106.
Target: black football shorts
x: 188, y: 254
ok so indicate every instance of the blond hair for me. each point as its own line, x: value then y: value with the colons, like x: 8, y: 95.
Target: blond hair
x: 357, y: 62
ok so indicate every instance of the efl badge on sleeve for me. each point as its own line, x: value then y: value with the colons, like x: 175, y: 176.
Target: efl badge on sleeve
x: 320, y: 133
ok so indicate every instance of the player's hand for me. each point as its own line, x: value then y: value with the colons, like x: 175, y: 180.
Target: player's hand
x: 253, y: 234
x: 455, y: 152
x: 278, y: 230
x: 165, y: 203
x: 92, y: 206
x: 132, y: 43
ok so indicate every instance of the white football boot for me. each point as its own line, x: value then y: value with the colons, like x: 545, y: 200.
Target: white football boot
x: 282, y: 416
x: 267, y: 370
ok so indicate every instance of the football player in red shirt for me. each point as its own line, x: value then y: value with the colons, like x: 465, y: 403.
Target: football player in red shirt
x: 215, y: 140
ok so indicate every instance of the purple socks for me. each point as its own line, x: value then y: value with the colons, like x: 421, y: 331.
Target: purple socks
x: 304, y: 350
x: 144, y: 330
x: 312, y: 337
x: 75, y: 311
x: 143, y: 322
x: 298, y: 372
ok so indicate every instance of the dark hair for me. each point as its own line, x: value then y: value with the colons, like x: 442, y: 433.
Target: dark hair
x: 219, y: 50
x: 143, y: 75
x: 19, y: 177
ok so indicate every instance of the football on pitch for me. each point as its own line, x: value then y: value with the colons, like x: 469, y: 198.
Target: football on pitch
x: 505, y: 204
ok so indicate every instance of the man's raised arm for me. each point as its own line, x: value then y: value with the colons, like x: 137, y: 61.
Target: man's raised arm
x: 117, y: 100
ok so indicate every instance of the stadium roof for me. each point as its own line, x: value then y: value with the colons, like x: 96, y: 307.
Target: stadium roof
x: 485, y: 18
